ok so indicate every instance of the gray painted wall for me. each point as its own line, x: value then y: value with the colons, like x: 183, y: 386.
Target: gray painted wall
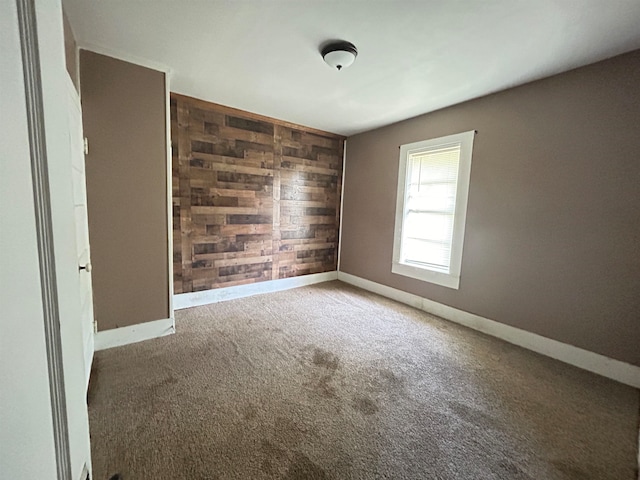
x: 552, y: 242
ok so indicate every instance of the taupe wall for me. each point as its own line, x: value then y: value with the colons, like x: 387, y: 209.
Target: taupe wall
x: 124, y: 116
x: 552, y: 242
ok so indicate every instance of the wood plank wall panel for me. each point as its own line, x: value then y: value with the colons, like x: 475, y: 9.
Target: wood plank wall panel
x: 254, y: 198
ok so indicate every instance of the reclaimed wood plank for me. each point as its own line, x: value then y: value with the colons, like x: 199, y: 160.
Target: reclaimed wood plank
x: 184, y: 235
x: 224, y: 110
x: 254, y: 198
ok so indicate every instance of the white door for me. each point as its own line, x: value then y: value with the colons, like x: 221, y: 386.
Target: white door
x: 76, y: 140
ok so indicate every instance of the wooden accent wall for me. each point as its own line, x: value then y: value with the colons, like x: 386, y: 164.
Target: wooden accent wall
x: 254, y: 198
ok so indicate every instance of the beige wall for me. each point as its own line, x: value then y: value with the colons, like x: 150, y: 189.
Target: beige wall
x: 552, y: 242
x: 125, y: 121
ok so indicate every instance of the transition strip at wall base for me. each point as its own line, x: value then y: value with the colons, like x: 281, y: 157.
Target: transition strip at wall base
x: 578, y: 357
x: 134, y: 333
x: 206, y: 297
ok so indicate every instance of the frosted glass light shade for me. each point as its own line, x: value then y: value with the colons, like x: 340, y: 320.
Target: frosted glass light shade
x: 339, y: 55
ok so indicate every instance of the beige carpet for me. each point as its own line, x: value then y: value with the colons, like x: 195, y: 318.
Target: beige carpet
x: 331, y: 382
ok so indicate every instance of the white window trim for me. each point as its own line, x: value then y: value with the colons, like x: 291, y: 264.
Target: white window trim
x: 451, y: 279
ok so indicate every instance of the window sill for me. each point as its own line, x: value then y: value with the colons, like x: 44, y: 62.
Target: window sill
x: 443, y: 279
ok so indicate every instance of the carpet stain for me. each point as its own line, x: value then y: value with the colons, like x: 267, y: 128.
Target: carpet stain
x: 250, y: 412
x: 324, y: 387
x: 572, y: 471
x: 287, y: 431
x: 302, y: 468
x: 321, y: 382
x: 513, y: 471
x: 274, y: 457
x: 162, y: 382
x: 171, y: 380
x: 392, y: 382
x: 328, y: 360
x: 472, y: 415
x: 365, y: 405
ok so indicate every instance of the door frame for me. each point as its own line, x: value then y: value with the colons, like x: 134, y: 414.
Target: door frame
x: 44, y: 232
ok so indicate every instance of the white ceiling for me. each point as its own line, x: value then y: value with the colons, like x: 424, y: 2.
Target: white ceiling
x: 414, y: 56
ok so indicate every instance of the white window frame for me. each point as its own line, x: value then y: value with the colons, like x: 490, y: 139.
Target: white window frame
x: 451, y: 279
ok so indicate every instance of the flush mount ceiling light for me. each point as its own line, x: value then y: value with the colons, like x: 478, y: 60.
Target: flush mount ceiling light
x: 339, y: 55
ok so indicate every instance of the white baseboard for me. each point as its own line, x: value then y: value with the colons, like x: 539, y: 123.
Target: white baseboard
x: 134, y: 333
x: 206, y: 297
x: 578, y: 357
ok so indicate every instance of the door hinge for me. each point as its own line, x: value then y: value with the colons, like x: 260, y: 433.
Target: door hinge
x: 86, y: 145
x: 95, y: 326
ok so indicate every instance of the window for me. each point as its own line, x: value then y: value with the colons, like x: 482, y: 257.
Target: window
x: 433, y: 183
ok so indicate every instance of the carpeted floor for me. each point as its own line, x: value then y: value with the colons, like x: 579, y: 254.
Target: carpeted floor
x: 331, y: 382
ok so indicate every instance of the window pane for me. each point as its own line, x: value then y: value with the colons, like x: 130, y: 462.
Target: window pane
x: 429, y: 206
x: 425, y: 252
x: 429, y: 226
x: 435, y: 197
x: 437, y: 165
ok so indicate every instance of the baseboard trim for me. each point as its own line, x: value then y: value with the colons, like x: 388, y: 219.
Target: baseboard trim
x: 206, y: 297
x: 134, y: 333
x: 578, y: 357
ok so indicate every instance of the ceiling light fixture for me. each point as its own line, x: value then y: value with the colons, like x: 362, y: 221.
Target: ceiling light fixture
x: 340, y: 54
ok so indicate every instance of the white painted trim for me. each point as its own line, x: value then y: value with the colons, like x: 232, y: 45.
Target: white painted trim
x: 72, y: 89
x: 134, y: 333
x: 89, y: 344
x: 206, y: 297
x: 344, y: 165
x: 450, y: 278
x: 578, y: 357
x: 167, y: 93
x: 126, y: 57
